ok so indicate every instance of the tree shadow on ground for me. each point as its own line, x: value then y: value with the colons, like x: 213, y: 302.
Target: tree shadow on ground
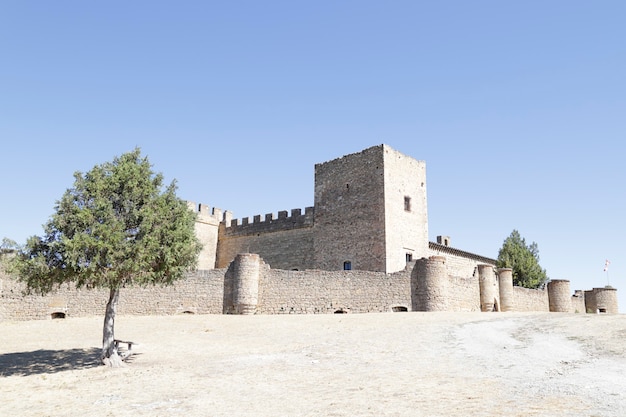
x: 48, y: 361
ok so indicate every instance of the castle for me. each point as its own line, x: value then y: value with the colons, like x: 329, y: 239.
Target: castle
x: 362, y: 247
x: 370, y: 214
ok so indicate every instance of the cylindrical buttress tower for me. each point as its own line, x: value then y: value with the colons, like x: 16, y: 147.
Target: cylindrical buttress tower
x: 486, y: 280
x: 602, y: 300
x: 246, y: 283
x: 432, y: 277
x: 559, y: 298
x: 505, y: 276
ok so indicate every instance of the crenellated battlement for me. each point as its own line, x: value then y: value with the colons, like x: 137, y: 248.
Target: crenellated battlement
x: 269, y: 223
x: 208, y: 214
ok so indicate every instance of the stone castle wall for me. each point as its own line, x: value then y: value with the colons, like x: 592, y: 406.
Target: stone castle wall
x: 526, y: 299
x: 459, y: 263
x: 208, y: 292
x: 317, y: 291
x: 200, y: 293
x: 463, y: 294
x: 578, y: 303
x: 424, y: 285
x: 284, y: 242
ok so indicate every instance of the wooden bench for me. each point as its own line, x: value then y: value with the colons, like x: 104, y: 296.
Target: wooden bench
x: 129, y: 348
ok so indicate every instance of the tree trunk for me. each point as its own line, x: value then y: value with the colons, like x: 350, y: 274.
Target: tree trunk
x: 109, y: 355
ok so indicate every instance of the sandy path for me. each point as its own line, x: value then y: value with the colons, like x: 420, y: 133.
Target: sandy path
x: 393, y: 364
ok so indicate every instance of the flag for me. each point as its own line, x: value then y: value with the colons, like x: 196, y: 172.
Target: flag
x: 606, y: 265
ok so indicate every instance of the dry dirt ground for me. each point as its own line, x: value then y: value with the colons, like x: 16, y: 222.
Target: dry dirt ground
x: 386, y: 364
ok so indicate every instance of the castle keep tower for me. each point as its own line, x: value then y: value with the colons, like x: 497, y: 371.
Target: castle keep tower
x: 370, y: 211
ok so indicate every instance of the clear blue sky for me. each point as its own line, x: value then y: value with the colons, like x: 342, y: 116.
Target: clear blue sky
x: 518, y: 109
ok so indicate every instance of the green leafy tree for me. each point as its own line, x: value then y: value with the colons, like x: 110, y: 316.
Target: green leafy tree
x: 8, y: 248
x: 523, y: 259
x: 116, y: 227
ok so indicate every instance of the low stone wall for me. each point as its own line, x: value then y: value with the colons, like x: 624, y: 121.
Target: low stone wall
x: 578, y: 304
x: 294, y: 292
x: 463, y: 294
x: 316, y: 291
x: 284, y: 249
x: 201, y: 292
x: 530, y: 300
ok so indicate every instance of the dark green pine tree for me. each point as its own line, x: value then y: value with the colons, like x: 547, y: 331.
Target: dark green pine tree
x: 524, y: 260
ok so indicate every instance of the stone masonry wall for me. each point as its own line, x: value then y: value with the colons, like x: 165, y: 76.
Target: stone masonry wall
x: 459, y: 263
x: 201, y: 293
x: 405, y: 209
x: 317, y: 291
x: 463, y: 294
x: 279, y: 292
x: 530, y: 300
x: 349, y: 212
x: 578, y: 303
x: 285, y: 242
x: 287, y: 249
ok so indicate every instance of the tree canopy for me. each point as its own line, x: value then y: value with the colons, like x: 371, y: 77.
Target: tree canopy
x: 115, y: 227
x: 523, y: 259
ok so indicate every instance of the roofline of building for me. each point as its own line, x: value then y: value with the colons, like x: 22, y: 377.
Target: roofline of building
x: 458, y: 252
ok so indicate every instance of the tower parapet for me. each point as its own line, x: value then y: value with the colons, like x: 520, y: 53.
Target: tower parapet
x: 208, y: 214
x: 269, y: 223
x: 207, y: 229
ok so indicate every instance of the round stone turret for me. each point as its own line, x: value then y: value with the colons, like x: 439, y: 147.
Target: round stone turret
x: 246, y: 283
x: 507, y: 301
x: 432, y: 277
x: 486, y: 279
x: 602, y: 300
x: 559, y: 298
